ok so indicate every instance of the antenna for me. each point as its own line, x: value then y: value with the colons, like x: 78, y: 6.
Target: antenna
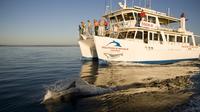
x: 110, y: 2
x: 140, y: 2
x: 108, y: 6
x: 148, y: 4
x: 105, y: 7
x: 125, y: 4
x: 168, y: 11
x: 132, y: 3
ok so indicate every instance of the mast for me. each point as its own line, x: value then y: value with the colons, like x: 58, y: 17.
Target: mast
x: 110, y: 2
x: 132, y: 3
x: 148, y: 4
x: 108, y: 6
x: 168, y: 11
x: 125, y: 4
x: 140, y: 3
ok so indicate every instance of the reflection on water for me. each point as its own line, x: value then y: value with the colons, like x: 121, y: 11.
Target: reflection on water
x: 89, y: 71
x: 123, y: 75
x: 137, y: 87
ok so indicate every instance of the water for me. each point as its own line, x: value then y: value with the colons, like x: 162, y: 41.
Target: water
x: 26, y: 72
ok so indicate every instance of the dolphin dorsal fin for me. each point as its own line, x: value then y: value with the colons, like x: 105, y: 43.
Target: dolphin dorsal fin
x: 72, y: 85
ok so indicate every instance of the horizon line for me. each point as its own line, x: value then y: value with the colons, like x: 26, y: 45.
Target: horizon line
x: 73, y: 45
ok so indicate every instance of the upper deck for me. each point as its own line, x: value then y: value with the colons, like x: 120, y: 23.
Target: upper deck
x: 128, y: 20
x: 129, y: 17
x: 138, y: 9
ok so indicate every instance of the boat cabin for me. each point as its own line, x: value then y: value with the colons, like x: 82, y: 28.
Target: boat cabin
x: 131, y: 18
x: 154, y: 27
x: 154, y: 37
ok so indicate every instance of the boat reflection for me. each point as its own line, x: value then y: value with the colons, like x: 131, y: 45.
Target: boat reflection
x: 120, y: 75
x: 136, y: 87
x: 139, y: 87
x: 89, y: 71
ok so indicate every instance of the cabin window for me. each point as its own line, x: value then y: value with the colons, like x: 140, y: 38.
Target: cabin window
x: 152, y: 19
x: 155, y: 36
x: 190, y: 40
x: 179, y: 39
x: 128, y: 16
x: 119, y: 18
x: 150, y: 36
x: 107, y: 35
x: 136, y: 16
x: 139, y: 35
x: 160, y: 37
x: 131, y: 35
x: 145, y: 37
x: 185, y: 39
x: 112, y: 19
x: 113, y: 35
x: 122, y: 35
x: 166, y: 38
x: 171, y: 38
x: 145, y: 18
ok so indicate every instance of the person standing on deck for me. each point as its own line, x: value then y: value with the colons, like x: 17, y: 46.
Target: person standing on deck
x: 182, y: 23
x: 142, y: 16
x: 101, y: 27
x: 79, y: 29
x: 96, y: 26
x: 89, y: 27
x: 83, y: 28
x: 106, y: 25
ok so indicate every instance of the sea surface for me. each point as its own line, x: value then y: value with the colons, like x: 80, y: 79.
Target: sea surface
x: 26, y: 73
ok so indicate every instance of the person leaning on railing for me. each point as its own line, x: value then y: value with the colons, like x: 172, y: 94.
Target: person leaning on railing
x: 89, y: 27
x: 101, y: 27
x: 82, y: 28
x: 142, y: 16
x: 96, y: 26
x: 106, y: 24
x: 79, y: 29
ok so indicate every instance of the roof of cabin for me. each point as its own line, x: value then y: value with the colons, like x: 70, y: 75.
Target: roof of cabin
x: 163, y: 17
x: 168, y: 31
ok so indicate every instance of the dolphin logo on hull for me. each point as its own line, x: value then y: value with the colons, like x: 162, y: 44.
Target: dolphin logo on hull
x: 116, y: 44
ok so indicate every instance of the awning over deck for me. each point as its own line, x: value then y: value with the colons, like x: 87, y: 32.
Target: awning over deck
x: 164, y: 19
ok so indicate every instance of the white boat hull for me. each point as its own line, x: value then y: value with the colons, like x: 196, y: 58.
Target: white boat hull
x: 123, y: 50
x: 88, y: 50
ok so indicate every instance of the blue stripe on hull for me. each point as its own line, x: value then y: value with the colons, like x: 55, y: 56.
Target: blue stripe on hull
x: 104, y: 62
x: 88, y: 58
x: 165, y: 61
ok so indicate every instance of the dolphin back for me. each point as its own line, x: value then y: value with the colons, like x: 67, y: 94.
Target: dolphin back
x: 72, y: 88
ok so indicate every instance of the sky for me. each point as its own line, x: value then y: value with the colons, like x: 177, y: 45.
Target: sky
x: 55, y: 22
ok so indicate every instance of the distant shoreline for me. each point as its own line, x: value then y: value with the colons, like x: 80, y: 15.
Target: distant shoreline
x: 38, y: 45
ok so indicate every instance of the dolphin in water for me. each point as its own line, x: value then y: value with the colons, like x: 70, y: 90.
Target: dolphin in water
x: 73, y: 88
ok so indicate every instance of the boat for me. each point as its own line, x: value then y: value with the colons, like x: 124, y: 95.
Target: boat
x: 87, y: 47
x: 142, y: 35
